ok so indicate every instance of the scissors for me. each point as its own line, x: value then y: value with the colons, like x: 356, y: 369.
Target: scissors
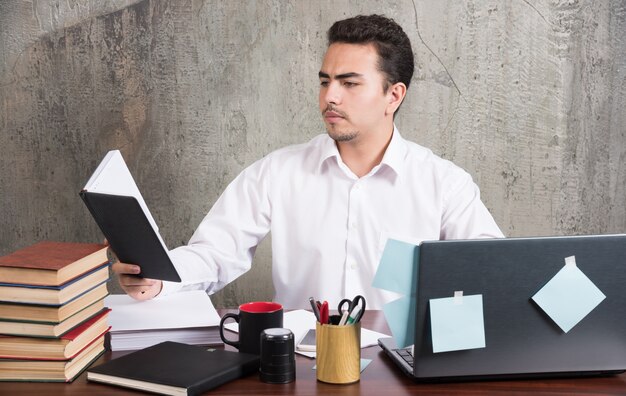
x: 354, y: 310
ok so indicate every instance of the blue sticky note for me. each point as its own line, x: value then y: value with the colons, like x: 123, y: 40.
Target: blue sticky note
x: 397, y: 270
x: 457, y: 323
x: 365, y: 363
x: 569, y: 296
x: 400, y: 315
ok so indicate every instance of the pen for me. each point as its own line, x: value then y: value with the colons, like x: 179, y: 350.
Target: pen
x: 323, y: 308
x: 344, y: 318
x: 355, y: 315
x: 315, y: 310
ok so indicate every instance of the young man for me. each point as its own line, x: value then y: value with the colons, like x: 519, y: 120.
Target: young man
x: 331, y: 203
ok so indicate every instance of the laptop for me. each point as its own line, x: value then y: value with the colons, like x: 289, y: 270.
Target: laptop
x: 521, y: 340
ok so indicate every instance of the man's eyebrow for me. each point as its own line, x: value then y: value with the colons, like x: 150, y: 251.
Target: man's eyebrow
x: 340, y: 76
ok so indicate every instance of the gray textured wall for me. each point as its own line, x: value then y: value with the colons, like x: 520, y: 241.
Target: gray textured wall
x: 528, y: 96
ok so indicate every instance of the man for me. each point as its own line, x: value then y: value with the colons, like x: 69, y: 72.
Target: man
x: 331, y: 203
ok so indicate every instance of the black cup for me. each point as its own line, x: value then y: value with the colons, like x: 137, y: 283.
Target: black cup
x: 253, y: 318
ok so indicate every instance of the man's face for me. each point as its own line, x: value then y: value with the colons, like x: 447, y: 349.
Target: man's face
x: 351, y: 97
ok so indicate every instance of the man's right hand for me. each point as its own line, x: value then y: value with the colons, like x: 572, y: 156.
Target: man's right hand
x: 135, y: 286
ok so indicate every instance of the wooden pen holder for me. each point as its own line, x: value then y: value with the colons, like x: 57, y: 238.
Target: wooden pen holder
x: 338, y: 353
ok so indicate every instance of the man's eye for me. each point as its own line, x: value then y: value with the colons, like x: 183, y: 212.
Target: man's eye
x: 349, y: 84
x: 324, y: 83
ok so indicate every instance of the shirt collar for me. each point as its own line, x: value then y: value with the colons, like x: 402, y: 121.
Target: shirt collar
x: 396, y: 152
x: 328, y: 150
x: 393, y: 158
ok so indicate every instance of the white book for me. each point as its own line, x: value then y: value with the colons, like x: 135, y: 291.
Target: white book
x: 112, y: 176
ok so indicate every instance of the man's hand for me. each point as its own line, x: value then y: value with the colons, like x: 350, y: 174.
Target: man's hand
x: 136, y: 287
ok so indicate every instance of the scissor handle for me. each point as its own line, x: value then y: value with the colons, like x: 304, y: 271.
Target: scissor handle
x: 356, y: 304
x: 342, y: 303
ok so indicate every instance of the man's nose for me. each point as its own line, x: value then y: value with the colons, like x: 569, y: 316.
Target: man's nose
x: 333, y: 93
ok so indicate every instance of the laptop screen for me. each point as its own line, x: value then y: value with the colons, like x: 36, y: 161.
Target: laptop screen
x: 520, y: 337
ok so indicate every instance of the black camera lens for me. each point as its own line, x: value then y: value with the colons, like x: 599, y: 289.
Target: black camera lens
x: 278, y: 361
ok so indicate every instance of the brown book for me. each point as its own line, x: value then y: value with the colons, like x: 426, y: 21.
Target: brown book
x: 63, y: 348
x: 51, y: 370
x: 51, y: 313
x: 50, y: 263
x: 49, y: 329
x: 54, y: 295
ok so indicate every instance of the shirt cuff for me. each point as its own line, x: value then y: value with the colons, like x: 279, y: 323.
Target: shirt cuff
x: 169, y: 288
x: 195, y: 273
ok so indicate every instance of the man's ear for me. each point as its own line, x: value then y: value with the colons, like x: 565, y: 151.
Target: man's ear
x: 395, y: 95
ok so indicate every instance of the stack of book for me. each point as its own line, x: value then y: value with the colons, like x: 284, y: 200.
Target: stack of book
x: 52, y: 314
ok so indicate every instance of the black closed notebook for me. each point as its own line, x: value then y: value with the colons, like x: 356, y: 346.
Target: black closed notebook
x: 172, y: 368
x: 128, y: 231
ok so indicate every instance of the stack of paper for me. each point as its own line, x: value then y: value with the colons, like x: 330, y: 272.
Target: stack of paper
x: 186, y: 317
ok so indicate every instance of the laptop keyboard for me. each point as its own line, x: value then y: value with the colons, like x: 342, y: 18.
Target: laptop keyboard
x: 406, y: 354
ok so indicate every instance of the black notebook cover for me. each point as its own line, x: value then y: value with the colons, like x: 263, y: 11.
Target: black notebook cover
x: 132, y: 238
x: 171, y: 367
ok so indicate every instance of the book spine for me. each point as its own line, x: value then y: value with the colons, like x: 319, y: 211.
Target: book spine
x: 230, y: 375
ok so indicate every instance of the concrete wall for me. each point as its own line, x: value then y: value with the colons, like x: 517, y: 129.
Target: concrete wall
x: 528, y: 96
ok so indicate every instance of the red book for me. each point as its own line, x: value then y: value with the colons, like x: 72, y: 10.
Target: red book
x: 50, y: 263
x: 65, y: 347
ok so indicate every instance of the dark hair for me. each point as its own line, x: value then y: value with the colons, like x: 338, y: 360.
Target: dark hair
x: 392, y: 44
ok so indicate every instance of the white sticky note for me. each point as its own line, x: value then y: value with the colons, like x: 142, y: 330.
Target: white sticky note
x: 457, y: 323
x: 569, y: 296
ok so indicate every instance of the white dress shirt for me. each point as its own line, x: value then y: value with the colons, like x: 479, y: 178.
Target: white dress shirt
x: 328, y: 226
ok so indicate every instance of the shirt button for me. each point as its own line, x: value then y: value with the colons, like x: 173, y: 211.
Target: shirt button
x: 353, y: 265
x: 353, y: 225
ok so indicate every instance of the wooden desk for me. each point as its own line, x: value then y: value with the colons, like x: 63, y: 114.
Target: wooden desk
x: 380, y: 378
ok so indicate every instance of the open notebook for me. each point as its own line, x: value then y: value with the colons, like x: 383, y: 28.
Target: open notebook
x: 120, y: 211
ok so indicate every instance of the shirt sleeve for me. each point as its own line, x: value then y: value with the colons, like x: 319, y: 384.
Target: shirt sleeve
x: 222, y: 247
x: 464, y: 214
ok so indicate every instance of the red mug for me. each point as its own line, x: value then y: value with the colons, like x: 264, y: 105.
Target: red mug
x: 253, y: 318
